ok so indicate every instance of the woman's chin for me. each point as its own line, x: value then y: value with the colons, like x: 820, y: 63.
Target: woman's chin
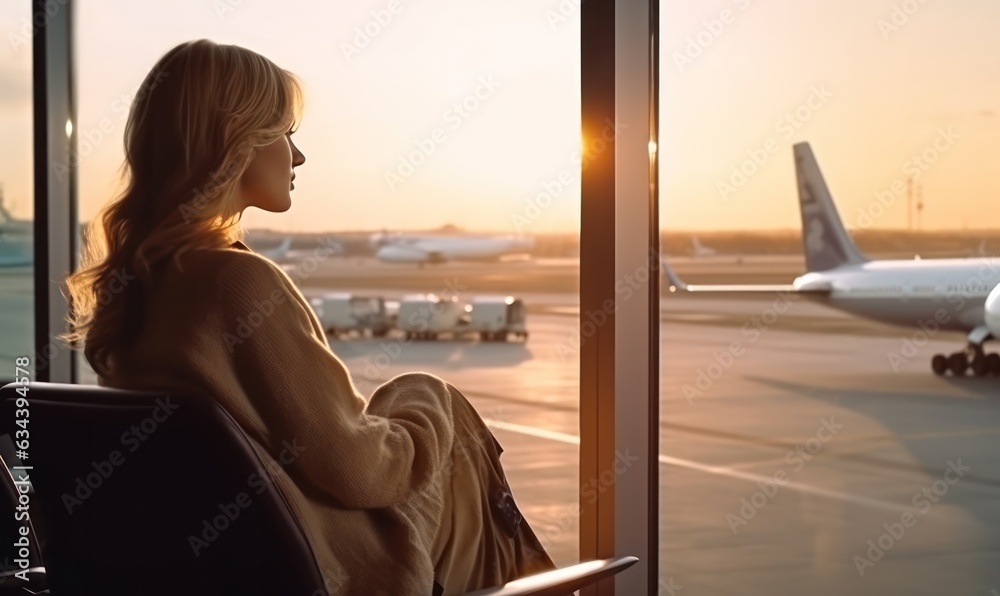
x: 280, y: 205
x: 273, y: 203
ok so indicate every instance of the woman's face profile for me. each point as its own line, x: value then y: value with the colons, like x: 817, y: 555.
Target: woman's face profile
x: 267, y: 182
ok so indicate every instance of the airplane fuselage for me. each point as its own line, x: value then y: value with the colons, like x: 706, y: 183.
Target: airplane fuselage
x: 437, y: 249
x: 16, y: 249
x: 950, y: 292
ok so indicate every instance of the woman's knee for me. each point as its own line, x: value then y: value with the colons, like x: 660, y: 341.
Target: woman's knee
x: 424, y: 387
x: 417, y: 379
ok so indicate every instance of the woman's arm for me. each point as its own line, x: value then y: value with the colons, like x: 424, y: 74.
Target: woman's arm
x: 306, y: 396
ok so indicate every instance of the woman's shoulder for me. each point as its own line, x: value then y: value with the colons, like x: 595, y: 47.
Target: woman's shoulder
x: 237, y: 282
x: 232, y: 268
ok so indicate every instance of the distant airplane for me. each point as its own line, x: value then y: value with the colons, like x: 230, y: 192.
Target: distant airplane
x: 925, y: 294
x: 981, y: 251
x: 276, y: 253
x: 701, y: 250
x: 431, y: 249
x: 16, y: 246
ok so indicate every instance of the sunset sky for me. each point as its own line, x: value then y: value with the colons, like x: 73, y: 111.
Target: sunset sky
x: 869, y: 85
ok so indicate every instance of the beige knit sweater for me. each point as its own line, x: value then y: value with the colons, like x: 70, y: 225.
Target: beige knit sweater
x: 367, y: 479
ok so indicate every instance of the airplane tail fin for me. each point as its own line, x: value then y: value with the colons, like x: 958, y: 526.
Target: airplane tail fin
x: 4, y: 214
x: 824, y: 237
x: 280, y: 252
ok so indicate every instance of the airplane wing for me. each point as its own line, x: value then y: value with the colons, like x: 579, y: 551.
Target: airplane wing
x: 677, y: 284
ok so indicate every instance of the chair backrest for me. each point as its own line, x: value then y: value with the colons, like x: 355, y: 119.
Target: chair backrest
x: 155, y: 493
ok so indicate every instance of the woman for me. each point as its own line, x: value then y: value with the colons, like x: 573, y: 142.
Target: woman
x: 398, y: 493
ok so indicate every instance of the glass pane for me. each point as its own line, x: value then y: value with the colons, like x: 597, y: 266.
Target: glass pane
x: 17, y: 291
x: 807, y: 445
x: 442, y: 157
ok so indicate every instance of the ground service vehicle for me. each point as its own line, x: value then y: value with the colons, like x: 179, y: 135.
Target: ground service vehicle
x: 429, y: 316
x: 343, y: 313
x: 496, y: 318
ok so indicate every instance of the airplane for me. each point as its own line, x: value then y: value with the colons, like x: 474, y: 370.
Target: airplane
x: 276, y: 253
x: 16, y: 246
x: 700, y: 250
x: 434, y: 249
x: 929, y: 295
x: 981, y: 251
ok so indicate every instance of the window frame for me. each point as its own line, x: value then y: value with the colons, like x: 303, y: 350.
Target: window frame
x: 619, y: 241
x: 55, y: 229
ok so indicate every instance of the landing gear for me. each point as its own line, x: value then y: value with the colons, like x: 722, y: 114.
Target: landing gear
x: 957, y: 363
x: 981, y: 363
x: 979, y: 366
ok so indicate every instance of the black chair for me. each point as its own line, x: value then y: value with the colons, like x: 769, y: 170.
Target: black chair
x: 19, y: 574
x: 120, y: 475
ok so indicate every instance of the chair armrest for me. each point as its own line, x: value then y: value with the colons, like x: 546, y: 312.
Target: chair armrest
x: 11, y: 584
x: 561, y: 582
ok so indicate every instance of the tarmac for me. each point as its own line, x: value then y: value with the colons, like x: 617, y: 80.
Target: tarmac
x: 808, y: 461
x: 820, y: 457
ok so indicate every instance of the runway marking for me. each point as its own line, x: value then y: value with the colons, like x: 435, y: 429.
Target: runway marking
x: 756, y: 464
x: 693, y: 317
x: 943, y: 434
x: 708, y: 469
x: 791, y: 442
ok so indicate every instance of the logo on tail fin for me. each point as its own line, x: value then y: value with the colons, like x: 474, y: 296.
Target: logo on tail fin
x: 824, y: 238
x: 806, y: 195
x: 815, y: 242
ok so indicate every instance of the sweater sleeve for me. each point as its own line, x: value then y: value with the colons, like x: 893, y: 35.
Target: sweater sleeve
x: 309, y: 402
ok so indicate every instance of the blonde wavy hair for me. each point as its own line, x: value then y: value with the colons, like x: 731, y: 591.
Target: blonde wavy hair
x: 192, y: 130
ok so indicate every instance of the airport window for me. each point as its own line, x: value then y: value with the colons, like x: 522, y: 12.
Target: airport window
x: 840, y: 441
x: 437, y: 224
x: 442, y: 176
x: 17, y: 291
